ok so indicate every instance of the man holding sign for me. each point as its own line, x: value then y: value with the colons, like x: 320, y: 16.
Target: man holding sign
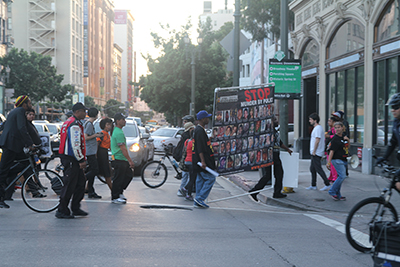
x: 203, y: 154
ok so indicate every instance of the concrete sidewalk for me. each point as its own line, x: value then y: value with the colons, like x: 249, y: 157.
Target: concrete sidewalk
x: 355, y: 188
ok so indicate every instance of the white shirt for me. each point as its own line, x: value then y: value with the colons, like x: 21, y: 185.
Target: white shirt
x: 318, y: 132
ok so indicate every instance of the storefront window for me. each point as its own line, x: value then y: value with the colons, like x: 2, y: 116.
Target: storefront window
x: 350, y: 102
x: 349, y: 37
x: 332, y: 94
x: 381, y: 99
x: 360, y: 99
x: 340, y: 91
x: 388, y: 26
x: 311, y: 54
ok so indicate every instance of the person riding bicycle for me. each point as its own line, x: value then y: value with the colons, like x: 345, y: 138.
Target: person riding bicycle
x: 394, y: 102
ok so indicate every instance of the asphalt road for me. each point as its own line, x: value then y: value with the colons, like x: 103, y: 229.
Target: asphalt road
x: 235, y: 232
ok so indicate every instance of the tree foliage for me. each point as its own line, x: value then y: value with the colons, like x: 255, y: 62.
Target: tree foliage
x: 168, y: 88
x: 32, y: 74
x: 89, y: 102
x: 261, y: 17
x: 113, y: 106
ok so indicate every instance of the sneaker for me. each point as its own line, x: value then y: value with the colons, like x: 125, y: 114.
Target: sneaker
x: 335, y: 197
x: 4, y: 205
x: 80, y: 213
x: 94, y: 195
x: 288, y: 190
x: 189, y: 198
x: 279, y: 196
x: 326, y: 187
x: 61, y: 215
x: 123, y: 197
x: 118, y: 201
x: 201, y: 203
x: 197, y: 206
x: 311, y: 188
x: 254, y: 197
x: 343, y: 198
x: 181, y: 193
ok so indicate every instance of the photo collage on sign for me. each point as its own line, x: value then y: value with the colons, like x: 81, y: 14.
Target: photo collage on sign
x: 241, y: 137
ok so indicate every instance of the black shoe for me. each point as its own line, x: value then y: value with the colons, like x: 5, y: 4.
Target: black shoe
x: 8, y: 199
x: 4, y: 205
x: 38, y: 195
x: 80, y: 213
x: 254, y: 197
x: 279, y: 195
x: 94, y: 195
x: 61, y: 215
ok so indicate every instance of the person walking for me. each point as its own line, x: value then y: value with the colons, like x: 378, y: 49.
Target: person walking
x: 182, y: 192
x: 338, y: 152
x: 13, y: 140
x: 91, y: 151
x: 346, y: 132
x: 123, y: 164
x: 73, y: 157
x: 278, y: 169
x: 102, y: 152
x: 328, y: 137
x: 203, y: 153
x: 317, y: 149
x: 188, y: 189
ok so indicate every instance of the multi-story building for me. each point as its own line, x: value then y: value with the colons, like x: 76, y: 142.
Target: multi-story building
x: 123, y: 36
x: 52, y: 28
x: 98, y: 49
x: 6, y: 41
x: 219, y: 18
x: 117, y: 63
x: 350, y: 52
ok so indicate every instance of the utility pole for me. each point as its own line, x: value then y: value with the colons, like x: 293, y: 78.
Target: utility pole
x: 236, y: 43
x: 283, y: 103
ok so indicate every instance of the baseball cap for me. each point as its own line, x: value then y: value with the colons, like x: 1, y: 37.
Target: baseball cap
x: 203, y: 114
x: 119, y: 116
x: 78, y: 106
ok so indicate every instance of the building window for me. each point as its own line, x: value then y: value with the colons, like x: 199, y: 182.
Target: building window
x: 248, y: 70
x: 388, y: 25
x: 311, y: 54
x: 342, y: 41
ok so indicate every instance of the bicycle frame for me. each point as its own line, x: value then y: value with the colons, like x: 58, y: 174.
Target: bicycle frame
x: 31, y: 165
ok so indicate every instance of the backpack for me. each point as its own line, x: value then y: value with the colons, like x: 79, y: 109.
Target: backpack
x: 177, y: 152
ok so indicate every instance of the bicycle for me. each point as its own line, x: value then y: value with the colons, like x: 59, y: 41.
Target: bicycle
x: 370, y: 211
x: 154, y: 173
x: 40, y: 191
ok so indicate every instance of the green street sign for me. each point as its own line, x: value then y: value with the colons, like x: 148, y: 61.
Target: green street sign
x: 279, y: 55
x: 286, y: 75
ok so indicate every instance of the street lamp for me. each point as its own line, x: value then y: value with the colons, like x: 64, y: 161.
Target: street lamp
x: 193, y: 64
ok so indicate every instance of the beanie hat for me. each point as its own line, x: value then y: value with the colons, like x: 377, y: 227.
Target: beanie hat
x: 21, y: 100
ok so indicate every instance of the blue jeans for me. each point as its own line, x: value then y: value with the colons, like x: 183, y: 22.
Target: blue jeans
x: 340, y: 167
x: 204, y: 183
x: 185, y: 176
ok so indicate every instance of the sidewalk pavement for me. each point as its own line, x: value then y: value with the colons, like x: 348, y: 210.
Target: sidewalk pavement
x: 355, y: 188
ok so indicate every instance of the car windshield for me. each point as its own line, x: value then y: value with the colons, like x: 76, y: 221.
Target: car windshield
x: 164, y: 132
x: 130, y: 130
x: 39, y: 128
x: 53, y: 128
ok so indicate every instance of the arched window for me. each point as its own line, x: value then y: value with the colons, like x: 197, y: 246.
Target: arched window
x: 349, y: 37
x: 388, y: 26
x: 311, y: 54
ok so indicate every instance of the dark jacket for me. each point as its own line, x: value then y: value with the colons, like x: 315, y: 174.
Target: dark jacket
x: 33, y: 132
x: 15, y: 135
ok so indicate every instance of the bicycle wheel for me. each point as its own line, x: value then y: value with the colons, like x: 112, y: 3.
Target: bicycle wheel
x: 362, y: 215
x: 154, y: 174
x: 41, y: 193
x: 54, y: 164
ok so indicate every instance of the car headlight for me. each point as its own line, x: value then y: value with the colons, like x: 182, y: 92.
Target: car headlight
x: 134, y: 148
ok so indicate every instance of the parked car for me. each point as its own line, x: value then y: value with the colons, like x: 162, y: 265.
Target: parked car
x: 166, y: 136
x: 54, y: 137
x: 136, y: 142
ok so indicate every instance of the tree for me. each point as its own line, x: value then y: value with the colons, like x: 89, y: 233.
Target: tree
x: 32, y: 74
x: 168, y: 88
x: 261, y: 17
x: 112, y: 106
x: 89, y: 102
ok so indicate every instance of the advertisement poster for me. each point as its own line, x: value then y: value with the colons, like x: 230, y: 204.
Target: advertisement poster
x: 242, y: 128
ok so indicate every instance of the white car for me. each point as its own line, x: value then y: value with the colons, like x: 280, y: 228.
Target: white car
x: 166, y: 136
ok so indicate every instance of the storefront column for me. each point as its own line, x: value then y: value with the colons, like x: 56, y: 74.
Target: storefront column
x: 367, y: 151
x: 321, y: 85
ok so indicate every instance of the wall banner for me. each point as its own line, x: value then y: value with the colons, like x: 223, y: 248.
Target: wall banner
x: 242, y: 128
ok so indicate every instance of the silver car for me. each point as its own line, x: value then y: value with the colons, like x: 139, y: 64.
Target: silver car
x: 166, y: 136
x: 136, y: 143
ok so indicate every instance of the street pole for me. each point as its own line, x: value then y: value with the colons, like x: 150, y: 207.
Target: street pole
x: 236, y: 42
x: 283, y: 103
x: 192, y: 108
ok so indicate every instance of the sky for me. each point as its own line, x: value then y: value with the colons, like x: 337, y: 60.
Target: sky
x: 149, y: 14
